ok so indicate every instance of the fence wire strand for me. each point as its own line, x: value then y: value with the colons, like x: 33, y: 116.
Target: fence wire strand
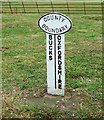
x: 37, y: 6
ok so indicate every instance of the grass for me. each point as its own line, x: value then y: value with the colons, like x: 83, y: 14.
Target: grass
x: 24, y: 67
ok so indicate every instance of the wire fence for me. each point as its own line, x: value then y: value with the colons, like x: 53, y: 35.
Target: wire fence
x: 67, y: 7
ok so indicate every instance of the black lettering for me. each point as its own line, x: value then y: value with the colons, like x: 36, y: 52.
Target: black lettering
x: 63, y: 28
x: 57, y: 30
x: 59, y: 42
x: 60, y: 29
x: 59, y: 57
x: 59, y: 81
x: 48, y: 18
x: 45, y: 20
x: 50, y: 52
x: 53, y: 30
x: 62, y: 19
x: 66, y: 26
x: 50, y: 47
x: 50, y: 37
x: 60, y: 72
x: 43, y: 25
x: 59, y: 47
x: 50, y: 42
x: 59, y: 62
x: 49, y: 29
x: 56, y: 18
x: 59, y: 37
x: 59, y: 78
x: 52, y: 17
x: 60, y: 86
x: 46, y: 27
x: 59, y: 52
x: 59, y: 18
x: 59, y: 67
x: 50, y: 57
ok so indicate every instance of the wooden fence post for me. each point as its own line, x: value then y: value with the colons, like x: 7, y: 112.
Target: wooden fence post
x: 68, y: 6
x: 52, y: 5
x: 10, y: 7
x: 37, y: 6
x: 84, y: 4
x: 23, y: 6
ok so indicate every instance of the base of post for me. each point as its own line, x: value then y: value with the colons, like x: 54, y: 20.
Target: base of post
x: 56, y: 91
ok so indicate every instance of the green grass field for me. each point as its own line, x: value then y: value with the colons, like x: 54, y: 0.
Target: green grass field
x: 24, y: 69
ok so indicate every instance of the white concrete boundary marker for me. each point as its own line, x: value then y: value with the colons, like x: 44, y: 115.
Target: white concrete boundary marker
x: 55, y: 25
x: 55, y: 64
